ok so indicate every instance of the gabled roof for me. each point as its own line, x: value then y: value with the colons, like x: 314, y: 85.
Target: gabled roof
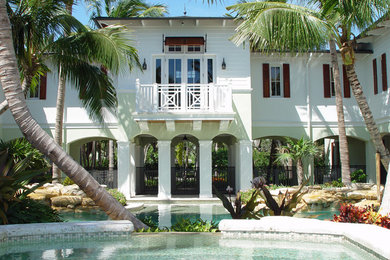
x: 167, y: 21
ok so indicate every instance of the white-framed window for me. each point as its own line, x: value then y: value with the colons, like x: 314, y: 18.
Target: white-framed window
x: 276, y: 81
x: 332, y: 83
x: 34, y: 93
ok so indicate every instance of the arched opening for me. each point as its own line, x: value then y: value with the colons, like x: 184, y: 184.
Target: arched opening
x: 328, y: 166
x: 98, y: 155
x: 185, y: 165
x: 223, y: 163
x: 146, y: 165
x: 265, y: 164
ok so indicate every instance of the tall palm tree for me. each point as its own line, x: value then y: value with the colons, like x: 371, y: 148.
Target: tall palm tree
x: 343, y: 141
x: 112, y: 52
x: 268, y: 26
x: 127, y: 8
x: 297, y: 151
x: 33, y: 23
x: 10, y: 82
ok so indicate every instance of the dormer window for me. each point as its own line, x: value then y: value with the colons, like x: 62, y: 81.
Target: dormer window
x: 184, y: 45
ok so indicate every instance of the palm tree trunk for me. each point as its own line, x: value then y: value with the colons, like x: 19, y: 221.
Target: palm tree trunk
x: 10, y: 82
x: 343, y: 141
x: 300, y: 171
x: 4, y: 105
x: 367, y: 116
x: 59, y: 120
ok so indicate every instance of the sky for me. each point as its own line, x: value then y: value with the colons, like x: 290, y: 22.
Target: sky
x: 175, y: 8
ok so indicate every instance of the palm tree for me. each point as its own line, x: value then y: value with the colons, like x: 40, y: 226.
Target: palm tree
x: 127, y: 8
x: 10, y: 82
x: 33, y: 23
x: 297, y: 151
x: 343, y: 141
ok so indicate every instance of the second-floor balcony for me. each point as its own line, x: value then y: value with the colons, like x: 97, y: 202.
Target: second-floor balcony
x: 184, y: 98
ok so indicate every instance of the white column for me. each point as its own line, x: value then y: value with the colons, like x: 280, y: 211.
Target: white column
x: 164, y: 169
x: 205, y: 189
x: 370, y: 162
x: 124, y: 168
x: 133, y: 168
x: 244, y: 165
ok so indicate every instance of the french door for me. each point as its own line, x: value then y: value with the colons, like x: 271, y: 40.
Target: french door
x: 183, y: 82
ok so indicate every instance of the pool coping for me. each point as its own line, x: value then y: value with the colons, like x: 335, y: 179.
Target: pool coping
x: 65, y: 230
x: 370, y: 237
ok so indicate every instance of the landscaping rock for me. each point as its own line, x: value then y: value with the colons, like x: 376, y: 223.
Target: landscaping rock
x: 87, y: 202
x: 64, y: 201
x: 48, y: 192
x: 365, y: 203
x: 356, y: 195
x: 70, y: 189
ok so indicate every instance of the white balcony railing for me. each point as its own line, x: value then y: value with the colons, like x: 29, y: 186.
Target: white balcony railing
x: 154, y: 98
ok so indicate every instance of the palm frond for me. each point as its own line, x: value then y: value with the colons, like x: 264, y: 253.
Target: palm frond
x: 275, y: 26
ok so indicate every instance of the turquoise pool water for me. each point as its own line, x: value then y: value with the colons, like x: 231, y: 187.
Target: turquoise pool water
x: 183, y: 246
x: 167, y: 214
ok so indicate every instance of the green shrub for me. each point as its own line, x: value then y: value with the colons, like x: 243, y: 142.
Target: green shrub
x: 183, y: 225
x: 19, y: 149
x: 358, y: 176
x: 336, y: 183
x: 31, y: 211
x: 119, y: 196
x: 67, y: 181
x: 198, y: 225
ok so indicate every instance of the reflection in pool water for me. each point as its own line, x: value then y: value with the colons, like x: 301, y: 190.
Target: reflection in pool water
x: 168, y: 214
x: 183, y: 246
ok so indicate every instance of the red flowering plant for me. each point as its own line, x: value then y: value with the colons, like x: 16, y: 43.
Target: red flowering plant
x: 367, y: 215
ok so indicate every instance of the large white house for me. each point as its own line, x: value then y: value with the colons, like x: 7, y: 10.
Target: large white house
x: 196, y: 84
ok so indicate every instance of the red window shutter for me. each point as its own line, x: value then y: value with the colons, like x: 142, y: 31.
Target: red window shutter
x: 326, y: 74
x: 375, y: 71
x: 184, y: 41
x: 43, y: 86
x: 347, y: 86
x: 266, y: 93
x: 286, y: 80
x: 384, y: 72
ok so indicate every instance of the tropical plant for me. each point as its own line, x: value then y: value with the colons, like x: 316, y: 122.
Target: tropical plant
x: 286, y: 203
x: 19, y: 149
x: 240, y: 210
x: 31, y: 211
x: 182, y: 225
x: 14, y: 181
x: 119, y: 196
x: 127, y: 8
x: 67, y: 181
x: 367, y: 215
x: 10, y: 82
x: 198, y: 225
x: 297, y: 150
x: 358, y: 176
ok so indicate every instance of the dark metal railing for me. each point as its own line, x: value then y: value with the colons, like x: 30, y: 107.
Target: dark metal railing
x: 185, y: 181
x: 146, y: 180
x: 223, y: 177
x: 278, y: 175
x: 287, y: 176
x: 106, y: 177
x: 324, y: 174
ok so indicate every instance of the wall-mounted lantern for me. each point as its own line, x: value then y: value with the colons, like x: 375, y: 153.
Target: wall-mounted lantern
x: 144, y: 65
x: 223, y: 64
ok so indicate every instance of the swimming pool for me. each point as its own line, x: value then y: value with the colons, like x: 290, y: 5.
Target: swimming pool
x: 182, y: 246
x: 168, y: 214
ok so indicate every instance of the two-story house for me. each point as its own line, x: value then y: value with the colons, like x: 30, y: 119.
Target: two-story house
x: 197, y: 85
